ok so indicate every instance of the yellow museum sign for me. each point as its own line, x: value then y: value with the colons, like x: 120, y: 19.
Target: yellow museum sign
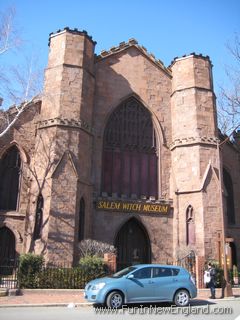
x: 124, y: 206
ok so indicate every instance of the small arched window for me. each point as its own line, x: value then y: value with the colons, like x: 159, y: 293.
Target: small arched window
x: 81, y: 221
x: 227, y: 180
x: 190, y: 226
x: 10, y: 166
x: 38, y: 218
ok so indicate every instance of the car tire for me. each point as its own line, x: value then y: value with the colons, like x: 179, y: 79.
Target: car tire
x: 181, y: 298
x: 114, y: 300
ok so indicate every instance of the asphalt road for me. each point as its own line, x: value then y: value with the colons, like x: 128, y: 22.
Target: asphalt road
x: 221, y: 309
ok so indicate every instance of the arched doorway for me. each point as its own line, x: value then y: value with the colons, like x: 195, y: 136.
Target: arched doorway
x: 133, y: 244
x: 7, y: 247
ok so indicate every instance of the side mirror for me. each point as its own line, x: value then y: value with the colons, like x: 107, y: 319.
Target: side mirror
x: 131, y: 276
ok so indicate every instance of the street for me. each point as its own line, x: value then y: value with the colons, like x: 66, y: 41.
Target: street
x: 219, y: 309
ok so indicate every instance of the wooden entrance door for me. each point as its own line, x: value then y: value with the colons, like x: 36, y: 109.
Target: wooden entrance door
x: 133, y: 245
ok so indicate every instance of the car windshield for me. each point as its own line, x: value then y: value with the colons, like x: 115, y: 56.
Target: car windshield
x: 123, y: 272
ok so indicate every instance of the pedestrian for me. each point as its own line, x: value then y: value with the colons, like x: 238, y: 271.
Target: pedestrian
x: 212, y: 283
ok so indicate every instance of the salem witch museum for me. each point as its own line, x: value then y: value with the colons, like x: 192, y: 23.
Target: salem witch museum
x: 123, y: 150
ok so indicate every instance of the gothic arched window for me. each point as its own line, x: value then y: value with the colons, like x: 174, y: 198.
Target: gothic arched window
x: 81, y: 222
x: 227, y: 180
x: 130, y: 163
x: 10, y: 165
x: 190, y: 226
x: 38, y: 218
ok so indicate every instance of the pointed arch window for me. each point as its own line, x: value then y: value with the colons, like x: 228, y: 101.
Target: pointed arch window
x: 227, y: 180
x: 129, y: 152
x: 10, y: 166
x: 190, y: 226
x: 38, y: 218
x: 81, y: 222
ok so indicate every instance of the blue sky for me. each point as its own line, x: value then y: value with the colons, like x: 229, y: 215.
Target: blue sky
x: 166, y: 28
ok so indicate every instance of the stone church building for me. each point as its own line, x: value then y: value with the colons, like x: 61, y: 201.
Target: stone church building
x: 123, y: 150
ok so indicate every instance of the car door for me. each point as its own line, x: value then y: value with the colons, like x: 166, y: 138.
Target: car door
x: 165, y: 283
x: 140, y: 286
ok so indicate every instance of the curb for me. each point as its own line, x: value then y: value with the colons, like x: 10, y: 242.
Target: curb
x: 225, y: 299
x: 69, y: 305
x: 88, y: 304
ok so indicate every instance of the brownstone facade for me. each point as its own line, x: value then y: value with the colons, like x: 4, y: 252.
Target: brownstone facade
x: 123, y: 150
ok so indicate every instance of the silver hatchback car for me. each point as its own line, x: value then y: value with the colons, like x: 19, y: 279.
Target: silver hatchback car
x: 143, y: 283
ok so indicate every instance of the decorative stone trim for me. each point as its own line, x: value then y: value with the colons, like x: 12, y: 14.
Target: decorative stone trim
x: 193, y: 140
x: 145, y: 199
x: 79, y: 124
x: 133, y: 43
x: 73, y: 31
x: 16, y: 232
x: 13, y: 214
x: 195, y: 55
x: 195, y: 88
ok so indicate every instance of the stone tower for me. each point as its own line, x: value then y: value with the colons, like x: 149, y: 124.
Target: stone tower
x: 64, y: 144
x: 195, y: 165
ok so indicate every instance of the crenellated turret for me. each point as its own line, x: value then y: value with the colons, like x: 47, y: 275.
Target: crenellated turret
x: 65, y: 134
x: 193, y: 99
x: 194, y: 153
x: 69, y: 77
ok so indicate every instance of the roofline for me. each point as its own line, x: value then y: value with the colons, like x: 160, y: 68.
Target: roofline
x: 187, y: 56
x: 73, y: 31
x: 133, y: 43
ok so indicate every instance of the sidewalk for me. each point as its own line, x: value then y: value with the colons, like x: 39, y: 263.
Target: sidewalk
x: 45, y: 297
x: 65, y: 297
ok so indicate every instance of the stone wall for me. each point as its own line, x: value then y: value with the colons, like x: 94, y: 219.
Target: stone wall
x: 23, y: 136
x: 231, y: 162
x: 67, y: 128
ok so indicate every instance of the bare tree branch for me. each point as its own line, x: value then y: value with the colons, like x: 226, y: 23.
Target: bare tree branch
x: 8, y: 118
x: 19, y: 84
x: 9, y: 37
x: 229, y: 102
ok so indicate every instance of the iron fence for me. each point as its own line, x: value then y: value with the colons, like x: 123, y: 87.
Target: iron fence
x: 67, y: 277
x: 9, y: 275
x: 49, y: 277
x: 188, y: 262
x: 58, y: 278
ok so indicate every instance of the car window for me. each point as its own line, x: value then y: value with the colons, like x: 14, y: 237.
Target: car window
x: 123, y: 272
x: 162, y: 272
x: 175, y: 271
x: 143, y: 273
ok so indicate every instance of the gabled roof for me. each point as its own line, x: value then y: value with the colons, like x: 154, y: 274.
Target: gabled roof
x: 133, y: 43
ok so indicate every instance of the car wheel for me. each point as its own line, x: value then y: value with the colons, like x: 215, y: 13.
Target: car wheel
x: 181, y: 298
x: 114, y: 300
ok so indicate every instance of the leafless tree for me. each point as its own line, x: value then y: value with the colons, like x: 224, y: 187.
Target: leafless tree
x: 229, y: 100
x: 89, y: 247
x: 36, y: 177
x: 9, y: 117
x: 19, y: 84
x: 9, y: 36
x: 41, y: 167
